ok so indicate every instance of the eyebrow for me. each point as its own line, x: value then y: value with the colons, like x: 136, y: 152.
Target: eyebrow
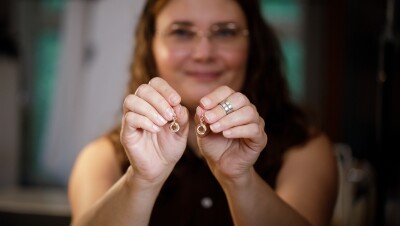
x: 182, y: 23
x: 190, y: 24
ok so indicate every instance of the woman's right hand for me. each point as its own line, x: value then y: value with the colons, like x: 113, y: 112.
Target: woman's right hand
x: 152, y: 149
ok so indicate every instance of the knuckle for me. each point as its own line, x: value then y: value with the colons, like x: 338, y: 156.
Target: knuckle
x: 242, y: 99
x: 255, y: 128
x: 250, y: 111
x: 140, y: 89
x: 155, y: 81
x: 228, y: 89
x: 127, y: 100
x: 129, y: 117
x: 262, y: 122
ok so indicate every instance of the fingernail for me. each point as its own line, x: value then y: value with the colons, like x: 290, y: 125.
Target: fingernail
x: 156, y: 128
x: 209, y: 116
x: 227, y: 132
x: 170, y: 113
x: 205, y: 102
x: 179, y: 109
x: 198, y: 111
x: 214, y: 127
x: 161, y: 120
x: 174, y: 99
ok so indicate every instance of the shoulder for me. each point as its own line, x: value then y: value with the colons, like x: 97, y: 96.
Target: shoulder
x: 310, y: 167
x: 316, y: 153
x: 95, y: 170
x: 98, y: 155
x: 100, y: 149
x: 308, y: 179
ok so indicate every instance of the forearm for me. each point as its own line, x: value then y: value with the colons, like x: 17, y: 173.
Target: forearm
x: 253, y: 202
x: 128, y: 202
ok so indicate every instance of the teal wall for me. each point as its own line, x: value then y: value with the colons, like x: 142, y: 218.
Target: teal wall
x: 286, y: 17
x: 45, y: 46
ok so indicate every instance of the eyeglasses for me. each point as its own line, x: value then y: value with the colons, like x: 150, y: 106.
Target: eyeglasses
x: 184, y: 36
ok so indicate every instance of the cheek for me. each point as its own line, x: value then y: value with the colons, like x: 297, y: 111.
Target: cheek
x: 166, y: 59
x: 237, y: 61
x: 237, y: 64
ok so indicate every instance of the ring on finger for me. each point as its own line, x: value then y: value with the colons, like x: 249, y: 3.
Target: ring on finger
x: 227, y: 106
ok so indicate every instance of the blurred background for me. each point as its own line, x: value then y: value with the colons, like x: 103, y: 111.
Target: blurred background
x: 64, y: 65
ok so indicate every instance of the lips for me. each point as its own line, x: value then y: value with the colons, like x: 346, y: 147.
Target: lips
x: 204, y: 75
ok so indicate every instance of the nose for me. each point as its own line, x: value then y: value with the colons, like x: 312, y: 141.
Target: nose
x: 203, y: 49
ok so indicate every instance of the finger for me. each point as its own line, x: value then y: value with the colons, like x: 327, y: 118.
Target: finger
x: 252, y: 131
x: 254, y: 136
x: 215, y: 97
x: 137, y: 105
x: 236, y: 101
x: 245, y: 115
x: 161, y: 86
x: 131, y: 122
x: 155, y: 99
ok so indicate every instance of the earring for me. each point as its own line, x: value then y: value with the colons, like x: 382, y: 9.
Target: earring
x: 174, y: 126
x: 201, y: 129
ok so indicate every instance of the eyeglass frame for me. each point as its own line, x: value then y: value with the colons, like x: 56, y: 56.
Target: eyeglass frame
x: 209, y: 33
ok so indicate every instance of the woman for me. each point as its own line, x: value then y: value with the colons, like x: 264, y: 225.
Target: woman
x: 206, y: 89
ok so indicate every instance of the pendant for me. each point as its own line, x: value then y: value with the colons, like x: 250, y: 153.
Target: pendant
x: 174, y: 126
x: 201, y: 129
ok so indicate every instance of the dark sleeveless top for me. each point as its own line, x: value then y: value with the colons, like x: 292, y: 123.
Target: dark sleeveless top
x: 192, y: 196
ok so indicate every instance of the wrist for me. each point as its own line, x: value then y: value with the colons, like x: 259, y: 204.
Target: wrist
x: 242, y: 181
x: 135, y: 181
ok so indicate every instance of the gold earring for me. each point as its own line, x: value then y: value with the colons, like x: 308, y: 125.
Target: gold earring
x: 174, y: 126
x: 201, y: 129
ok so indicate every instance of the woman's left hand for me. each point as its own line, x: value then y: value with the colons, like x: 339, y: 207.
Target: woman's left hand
x: 237, y: 136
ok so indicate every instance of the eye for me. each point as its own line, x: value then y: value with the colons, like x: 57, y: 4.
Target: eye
x: 182, y: 33
x: 225, y: 32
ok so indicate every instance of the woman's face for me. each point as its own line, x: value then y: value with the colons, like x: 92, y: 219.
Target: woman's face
x: 201, y: 45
